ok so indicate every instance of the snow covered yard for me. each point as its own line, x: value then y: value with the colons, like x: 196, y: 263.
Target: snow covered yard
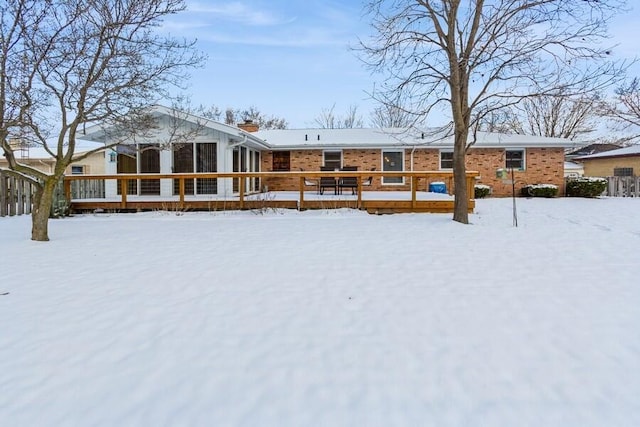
x: 325, y: 318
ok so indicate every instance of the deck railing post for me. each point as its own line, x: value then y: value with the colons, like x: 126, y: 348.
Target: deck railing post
x: 181, y: 185
x: 67, y: 189
x: 359, y: 202
x: 125, y: 187
x: 414, y: 184
x: 301, y: 203
x: 241, y: 190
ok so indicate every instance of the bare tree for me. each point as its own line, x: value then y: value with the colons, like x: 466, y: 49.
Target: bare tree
x: 560, y: 116
x: 553, y: 115
x: 393, y: 111
x: 211, y: 112
x: 328, y: 119
x: 233, y: 116
x: 66, y: 64
x: 624, y: 109
x: 501, y: 121
x: 263, y: 121
x: 475, y: 57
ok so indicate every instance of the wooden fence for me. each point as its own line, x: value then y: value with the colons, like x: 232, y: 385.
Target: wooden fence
x: 15, y: 195
x: 623, y: 186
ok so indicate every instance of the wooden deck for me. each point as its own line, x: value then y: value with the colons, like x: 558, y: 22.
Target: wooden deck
x: 388, y: 201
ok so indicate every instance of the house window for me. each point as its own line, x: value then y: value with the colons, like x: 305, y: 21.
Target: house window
x: 77, y: 170
x: 514, y: 159
x: 622, y: 171
x: 392, y: 161
x: 281, y: 161
x: 446, y: 159
x: 207, y: 161
x: 127, y: 163
x: 203, y: 160
x: 149, y: 162
x: 332, y: 159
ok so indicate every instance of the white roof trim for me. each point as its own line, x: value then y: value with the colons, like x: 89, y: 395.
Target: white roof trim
x: 97, y: 132
x: 309, y: 139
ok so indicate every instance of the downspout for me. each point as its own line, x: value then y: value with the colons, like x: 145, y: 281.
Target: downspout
x: 244, y: 139
x: 231, y: 147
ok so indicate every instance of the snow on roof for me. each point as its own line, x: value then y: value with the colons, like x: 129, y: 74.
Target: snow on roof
x: 99, y: 133
x: 394, y: 137
x: 632, y: 150
x: 315, y: 138
x: 593, y: 148
x: 38, y: 151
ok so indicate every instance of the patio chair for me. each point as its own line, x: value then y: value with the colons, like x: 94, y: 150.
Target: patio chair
x: 311, y: 182
x: 367, y: 182
x: 327, y: 181
x: 348, y: 181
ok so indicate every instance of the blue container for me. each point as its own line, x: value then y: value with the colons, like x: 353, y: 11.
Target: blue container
x: 438, y: 187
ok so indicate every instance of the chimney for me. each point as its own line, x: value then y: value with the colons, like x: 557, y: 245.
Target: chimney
x: 248, y: 126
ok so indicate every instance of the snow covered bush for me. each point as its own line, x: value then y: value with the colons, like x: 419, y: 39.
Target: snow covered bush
x: 586, y: 186
x: 481, y: 191
x: 540, y: 190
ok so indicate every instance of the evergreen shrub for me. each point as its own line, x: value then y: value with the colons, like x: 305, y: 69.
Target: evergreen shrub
x: 481, y: 191
x: 540, y: 190
x: 586, y: 186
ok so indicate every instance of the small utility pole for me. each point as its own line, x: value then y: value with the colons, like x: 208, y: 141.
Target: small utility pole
x: 513, y: 196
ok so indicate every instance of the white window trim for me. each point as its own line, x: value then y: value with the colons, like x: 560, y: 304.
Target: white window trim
x: 83, y: 168
x: 333, y: 151
x: 524, y: 158
x: 382, y: 166
x: 446, y: 150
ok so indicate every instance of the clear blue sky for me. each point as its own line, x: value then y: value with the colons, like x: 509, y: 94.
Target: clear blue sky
x: 288, y: 58
x: 292, y: 58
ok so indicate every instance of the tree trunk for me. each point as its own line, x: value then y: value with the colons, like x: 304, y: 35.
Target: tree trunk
x: 461, y: 196
x: 41, y: 211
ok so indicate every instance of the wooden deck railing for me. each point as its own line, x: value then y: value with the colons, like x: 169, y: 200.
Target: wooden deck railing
x: 241, y: 178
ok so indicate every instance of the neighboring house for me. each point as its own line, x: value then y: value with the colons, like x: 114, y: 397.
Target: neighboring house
x: 590, y: 149
x: 573, y: 170
x: 222, y: 148
x: 620, y: 162
x: 37, y: 157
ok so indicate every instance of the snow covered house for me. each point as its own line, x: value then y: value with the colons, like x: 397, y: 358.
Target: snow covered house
x: 535, y: 160
x: 217, y: 147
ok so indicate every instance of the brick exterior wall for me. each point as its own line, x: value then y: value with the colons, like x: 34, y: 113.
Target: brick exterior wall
x: 543, y: 166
